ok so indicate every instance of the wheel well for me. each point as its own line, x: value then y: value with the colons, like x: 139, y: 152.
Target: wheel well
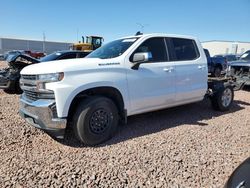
x: 109, y: 92
x: 218, y: 65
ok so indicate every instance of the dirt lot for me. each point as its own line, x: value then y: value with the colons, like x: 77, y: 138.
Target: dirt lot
x: 188, y: 146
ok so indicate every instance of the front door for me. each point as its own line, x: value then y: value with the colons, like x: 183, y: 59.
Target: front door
x: 152, y: 86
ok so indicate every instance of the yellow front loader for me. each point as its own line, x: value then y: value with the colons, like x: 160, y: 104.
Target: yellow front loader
x: 92, y: 43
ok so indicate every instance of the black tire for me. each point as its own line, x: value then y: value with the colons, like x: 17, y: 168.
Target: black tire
x: 9, y: 91
x: 95, y: 120
x: 223, y: 98
x: 14, y: 88
x: 18, y: 89
x: 217, y: 72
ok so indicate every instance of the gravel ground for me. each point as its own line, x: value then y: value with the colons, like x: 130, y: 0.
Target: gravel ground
x: 3, y: 64
x: 188, y: 146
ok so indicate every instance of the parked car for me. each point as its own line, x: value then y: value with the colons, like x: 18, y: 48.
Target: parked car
x: 240, y: 178
x: 245, y: 56
x: 216, y: 65
x: 9, y: 77
x: 229, y: 57
x: 240, y: 69
x: 34, y: 54
x: 128, y: 76
x: 14, y: 52
x: 66, y: 54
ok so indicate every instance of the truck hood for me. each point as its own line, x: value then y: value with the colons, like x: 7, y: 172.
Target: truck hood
x: 68, y: 65
x: 240, y: 63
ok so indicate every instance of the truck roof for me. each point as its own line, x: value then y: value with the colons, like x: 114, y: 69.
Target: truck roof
x: 95, y: 36
x: 160, y: 35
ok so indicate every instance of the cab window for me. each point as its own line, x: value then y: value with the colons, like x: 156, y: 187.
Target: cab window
x: 156, y: 47
x: 184, y: 49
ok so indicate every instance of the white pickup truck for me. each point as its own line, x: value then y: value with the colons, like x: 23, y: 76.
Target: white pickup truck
x: 128, y: 76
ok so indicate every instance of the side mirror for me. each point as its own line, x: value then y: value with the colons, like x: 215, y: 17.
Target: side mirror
x: 140, y: 58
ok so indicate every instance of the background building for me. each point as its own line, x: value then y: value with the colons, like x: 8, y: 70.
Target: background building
x: 8, y: 44
x: 216, y: 47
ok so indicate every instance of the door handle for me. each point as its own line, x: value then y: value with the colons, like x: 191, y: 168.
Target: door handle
x: 201, y: 67
x: 168, y: 69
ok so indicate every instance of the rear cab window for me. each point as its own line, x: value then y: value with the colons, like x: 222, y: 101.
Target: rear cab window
x: 183, y: 49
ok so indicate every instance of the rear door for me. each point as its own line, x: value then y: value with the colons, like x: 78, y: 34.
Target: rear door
x: 191, y: 70
x: 152, y: 86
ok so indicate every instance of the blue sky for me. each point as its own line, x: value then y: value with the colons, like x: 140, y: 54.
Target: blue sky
x: 60, y: 19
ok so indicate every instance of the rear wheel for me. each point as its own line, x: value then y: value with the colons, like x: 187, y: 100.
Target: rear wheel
x: 223, y: 98
x: 95, y: 120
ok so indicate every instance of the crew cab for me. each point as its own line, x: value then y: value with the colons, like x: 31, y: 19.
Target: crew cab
x: 128, y: 76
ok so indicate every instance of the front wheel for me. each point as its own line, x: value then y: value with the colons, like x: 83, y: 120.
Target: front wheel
x: 223, y: 98
x: 95, y: 120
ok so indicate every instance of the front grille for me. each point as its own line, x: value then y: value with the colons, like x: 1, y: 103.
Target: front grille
x: 28, y: 77
x: 28, y: 84
x: 33, y: 96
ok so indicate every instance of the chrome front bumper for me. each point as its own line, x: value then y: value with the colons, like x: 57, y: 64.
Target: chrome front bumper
x: 42, y: 114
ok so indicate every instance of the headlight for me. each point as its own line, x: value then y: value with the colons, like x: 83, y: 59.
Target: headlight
x: 54, y: 77
x: 42, y: 79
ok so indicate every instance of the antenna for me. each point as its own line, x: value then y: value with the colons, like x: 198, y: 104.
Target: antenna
x: 142, y: 26
x: 77, y: 33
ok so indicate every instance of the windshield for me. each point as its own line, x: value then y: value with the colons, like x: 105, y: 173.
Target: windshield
x: 51, y: 57
x: 245, y: 56
x: 11, y: 57
x: 231, y: 58
x: 112, y: 49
